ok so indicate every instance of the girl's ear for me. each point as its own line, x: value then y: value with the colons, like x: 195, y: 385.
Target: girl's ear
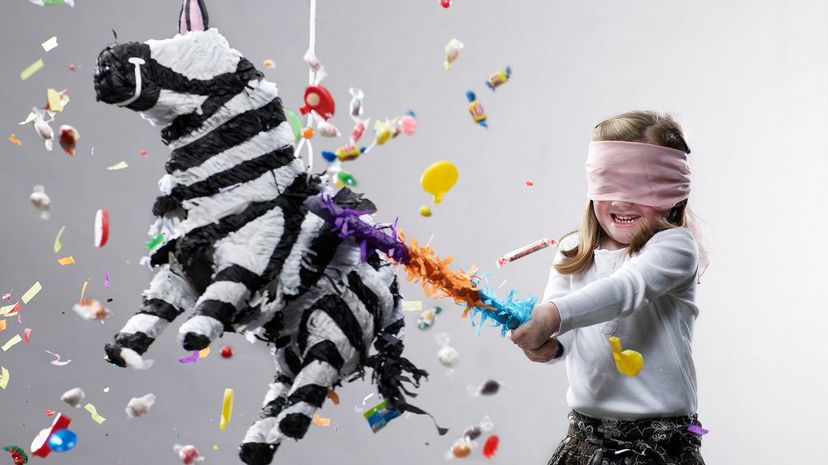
x: 674, y: 216
x: 193, y: 16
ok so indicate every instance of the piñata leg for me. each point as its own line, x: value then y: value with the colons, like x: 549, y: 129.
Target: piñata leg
x: 255, y: 448
x: 239, y: 260
x: 168, y: 296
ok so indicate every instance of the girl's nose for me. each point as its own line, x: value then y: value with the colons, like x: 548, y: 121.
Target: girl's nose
x: 621, y: 204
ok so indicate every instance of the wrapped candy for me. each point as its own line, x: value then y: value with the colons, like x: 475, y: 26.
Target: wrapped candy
x: 408, y: 123
x: 356, y: 108
x: 452, y: 52
x: 73, y: 397
x: 18, y: 455
x: 447, y: 355
x: 476, y: 109
x: 68, y: 139
x: 524, y: 251
x: 140, y: 406
x: 91, y: 309
x: 43, y: 129
x: 426, y: 318
x: 187, y: 454
x: 41, y: 201
x: 499, y: 78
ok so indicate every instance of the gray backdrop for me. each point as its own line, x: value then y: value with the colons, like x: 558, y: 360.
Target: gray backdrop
x: 746, y: 78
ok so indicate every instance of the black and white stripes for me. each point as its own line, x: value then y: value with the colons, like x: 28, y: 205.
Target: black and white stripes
x: 241, y: 252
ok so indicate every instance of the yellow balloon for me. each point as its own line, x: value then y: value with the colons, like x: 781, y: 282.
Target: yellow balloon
x: 438, y: 178
x: 628, y: 362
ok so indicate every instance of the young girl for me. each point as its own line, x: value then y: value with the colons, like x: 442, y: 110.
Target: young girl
x: 630, y: 272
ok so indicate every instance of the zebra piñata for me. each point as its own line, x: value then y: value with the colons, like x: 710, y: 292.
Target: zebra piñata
x: 240, y: 248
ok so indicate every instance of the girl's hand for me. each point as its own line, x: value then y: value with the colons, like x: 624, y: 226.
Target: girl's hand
x: 535, y: 333
x: 544, y: 353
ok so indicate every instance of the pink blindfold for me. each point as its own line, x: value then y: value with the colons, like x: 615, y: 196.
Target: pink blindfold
x: 645, y: 174
x: 635, y: 172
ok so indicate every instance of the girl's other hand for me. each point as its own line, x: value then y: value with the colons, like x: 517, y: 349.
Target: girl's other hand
x: 535, y: 333
x: 544, y: 353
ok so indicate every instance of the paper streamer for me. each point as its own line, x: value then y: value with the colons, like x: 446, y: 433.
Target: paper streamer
x: 27, y: 334
x: 4, y: 377
x: 226, y: 408
x: 11, y: 342
x: 70, y: 260
x: 83, y: 290
x: 31, y: 69
x: 190, y: 359
x: 2, y: 325
x: 58, y: 245
x: 94, y: 412
x: 29, y: 295
x: 203, y: 353
x: 50, y: 44
x: 118, y: 166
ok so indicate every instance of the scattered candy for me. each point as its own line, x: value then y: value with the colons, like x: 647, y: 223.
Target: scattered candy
x: 14, y: 140
x: 27, y: 335
x: 143, y: 153
x: 269, y: 64
x: 31, y: 69
x: 461, y: 448
x: 55, y: 100
x: 379, y: 416
x: 524, y: 251
x: 48, y: 412
x: 43, y: 129
x: 91, y: 309
x: 355, y: 107
x: 489, y: 388
x: 41, y: 201
x: 445, y: 3
x: 425, y: 320
x: 58, y: 245
x: 476, y: 109
x: 327, y: 129
x: 472, y: 432
x: 226, y: 352
x: 490, y: 446
x: 49, y: 44
x: 307, y: 133
x: 62, y: 440
x: 94, y: 412
x: 40, y: 444
x: 203, y: 353
x: 628, y: 362
x: 72, y: 68
x: 529, y: 184
x: 452, y: 52
x: 448, y: 356
x: 73, y: 397
x: 226, y: 408
x: 344, y: 178
x: 439, y: 178
x: 70, y: 260
x: 408, y: 123
x: 318, y: 99
x: 425, y: 211
x: 140, y: 406
x: 68, y: 139
x: 187, y: 454
x: 101, y: 227
x: 18, y: 455
x: 499, y: 78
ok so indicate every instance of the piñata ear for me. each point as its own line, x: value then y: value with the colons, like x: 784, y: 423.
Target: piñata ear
x: 193, y: 16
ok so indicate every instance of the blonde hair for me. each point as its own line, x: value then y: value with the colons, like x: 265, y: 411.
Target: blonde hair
x: 636, y: 126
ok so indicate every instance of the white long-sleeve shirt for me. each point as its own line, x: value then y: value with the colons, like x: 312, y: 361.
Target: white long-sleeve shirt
x: 648, y: 302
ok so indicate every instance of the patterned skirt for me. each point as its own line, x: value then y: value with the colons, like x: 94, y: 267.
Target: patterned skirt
x: 649, y: 441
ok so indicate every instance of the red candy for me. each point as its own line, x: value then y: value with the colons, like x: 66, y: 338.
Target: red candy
x: 445, y: 3
x: 226, y: 352
x: 490, y: 447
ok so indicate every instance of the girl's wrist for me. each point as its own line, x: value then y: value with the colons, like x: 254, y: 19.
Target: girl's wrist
x: 551, y: 318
